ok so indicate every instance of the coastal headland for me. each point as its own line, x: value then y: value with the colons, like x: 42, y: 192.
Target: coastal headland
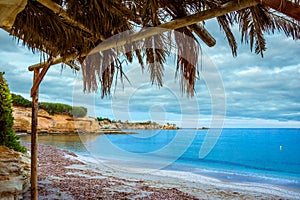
x: 65, y: 123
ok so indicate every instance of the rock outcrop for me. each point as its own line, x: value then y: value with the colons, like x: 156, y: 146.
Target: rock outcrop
x: 105, y: 124
x: 63, y: 123
x: 14, y: 173
x: 57, y: 123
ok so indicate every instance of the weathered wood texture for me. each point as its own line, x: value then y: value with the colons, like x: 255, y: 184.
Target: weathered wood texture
x: 34, y: 145
x: 203, y: 34
x: 286, y: 7
x: 39, y: 78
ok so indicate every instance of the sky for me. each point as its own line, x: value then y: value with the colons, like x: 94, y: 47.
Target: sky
x: 243, y: 91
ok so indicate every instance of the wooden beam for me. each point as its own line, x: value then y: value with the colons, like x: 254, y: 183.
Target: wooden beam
x: 177, y: 23
x: 61, y: 12
x: 210, y: 13
x: 42, y: 64
x: 72, y: 65
x: 198, y: 28
x: 34, y: 139
x: 39, y: 78
x: 203, y: 34
x: 286, y: 7
x: 174, y: 24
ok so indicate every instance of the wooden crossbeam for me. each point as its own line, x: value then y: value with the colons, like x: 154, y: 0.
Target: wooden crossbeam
x: 42, y: 64
x: 38, y: 79
x: 198, y: 28
x: 177, y: 23
x: 61, y: 12
x: 203, y: 34
x: 174, y: 24
x: 286, y: 7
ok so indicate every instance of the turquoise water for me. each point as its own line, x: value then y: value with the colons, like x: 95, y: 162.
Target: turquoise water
x: 252, y: 155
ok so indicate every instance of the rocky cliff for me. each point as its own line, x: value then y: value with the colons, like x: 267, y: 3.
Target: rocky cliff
x: 105, y: 124
x: 14, y: 173
x: 57, y: 123
x: 63, y: 123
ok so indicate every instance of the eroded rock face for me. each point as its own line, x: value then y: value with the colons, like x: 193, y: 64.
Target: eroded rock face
x: 14, y: 173
x: 57, y: 123
x: 61, y: 123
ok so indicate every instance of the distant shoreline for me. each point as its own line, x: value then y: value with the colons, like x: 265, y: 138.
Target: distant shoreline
x: 202, y: 128
x: 84, y: 133
x: 64, y: 123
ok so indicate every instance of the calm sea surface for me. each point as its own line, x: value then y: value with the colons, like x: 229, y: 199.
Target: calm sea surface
x: 252, y: 155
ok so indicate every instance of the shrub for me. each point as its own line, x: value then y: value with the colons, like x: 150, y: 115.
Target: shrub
x: 18, y: 100
x: 7, y: 136
x: 51, y: 108
x: 79, y: 111
x: 59, y: 108
x: 103, y: 119
x: 56, y: 108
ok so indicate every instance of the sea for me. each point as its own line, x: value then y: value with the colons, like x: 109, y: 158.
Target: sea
x: 259, y: 155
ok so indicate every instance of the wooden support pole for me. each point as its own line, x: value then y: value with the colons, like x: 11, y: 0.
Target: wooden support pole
x: 37, y: 79
x: 34, y: 138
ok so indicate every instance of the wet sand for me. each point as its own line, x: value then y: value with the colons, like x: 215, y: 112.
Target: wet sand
x: 64, y: 175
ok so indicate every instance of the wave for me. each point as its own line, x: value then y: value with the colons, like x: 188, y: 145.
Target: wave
x: 194, y: 178
x: 227, y: 174
x: 268, y: 177
x: 197, y: 163
x: 224, y: 170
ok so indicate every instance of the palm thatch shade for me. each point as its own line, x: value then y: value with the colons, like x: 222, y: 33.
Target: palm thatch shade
x: 67, y: 30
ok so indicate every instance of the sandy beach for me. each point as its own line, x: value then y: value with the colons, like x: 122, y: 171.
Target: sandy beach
x: 65, y: 175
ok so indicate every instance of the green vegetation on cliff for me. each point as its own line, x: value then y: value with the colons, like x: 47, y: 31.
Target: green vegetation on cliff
x: 51, y: 108
x: 18, y: 100
x: 7, y: 136
x: 100, y: 119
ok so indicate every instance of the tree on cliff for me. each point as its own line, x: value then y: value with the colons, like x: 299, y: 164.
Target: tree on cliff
x: 7, y: 135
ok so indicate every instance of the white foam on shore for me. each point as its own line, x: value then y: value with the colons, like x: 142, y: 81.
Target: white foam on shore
x: 195, y: 184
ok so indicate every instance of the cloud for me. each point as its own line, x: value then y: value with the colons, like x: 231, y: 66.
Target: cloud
x: 57, y: 85
x: 259, y: 91
x: 8, y: 44
x: 259, y: 88
x: 264, y: 93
